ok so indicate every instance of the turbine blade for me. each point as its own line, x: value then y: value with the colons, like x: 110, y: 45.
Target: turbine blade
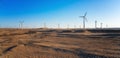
x: 81, y: 16
x: 85, y: 14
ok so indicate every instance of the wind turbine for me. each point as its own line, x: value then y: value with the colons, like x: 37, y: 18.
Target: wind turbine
x: 21, y: 24
x: 74, y: 26
x: 101, y: 25
x: 44, y: 25
x: 106, y: 26
x: 67, y: 26
x: 80, y: 26
x: 84, y: 19
x: 58, y: 26
x: 95, y: 24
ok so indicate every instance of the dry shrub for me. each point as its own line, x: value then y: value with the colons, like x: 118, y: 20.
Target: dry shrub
x: 87, y: 32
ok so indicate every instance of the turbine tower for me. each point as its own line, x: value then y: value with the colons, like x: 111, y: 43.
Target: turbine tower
x: 84, y: 19
x: 95, y: 24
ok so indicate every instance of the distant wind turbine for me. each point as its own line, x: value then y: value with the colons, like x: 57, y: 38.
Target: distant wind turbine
x: 44, y: 25
x: 101, y: 24
x: 84, y: 19
x: 67, y: 26
x: 106, y: 26
x: 58, y: 26
x: 95, y: 24
x: 21, y: 24
x: 74, y: 26
x: 80, y: 26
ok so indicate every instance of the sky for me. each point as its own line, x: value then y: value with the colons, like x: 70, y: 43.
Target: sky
x: 36, y: 13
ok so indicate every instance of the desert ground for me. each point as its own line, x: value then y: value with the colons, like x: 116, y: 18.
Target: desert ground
x: 59, y: 43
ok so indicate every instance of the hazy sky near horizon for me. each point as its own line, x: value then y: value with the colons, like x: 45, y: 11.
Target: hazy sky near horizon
x: 35, y: 13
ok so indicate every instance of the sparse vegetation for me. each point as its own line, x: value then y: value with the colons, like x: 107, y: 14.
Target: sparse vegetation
x: 30, y: 43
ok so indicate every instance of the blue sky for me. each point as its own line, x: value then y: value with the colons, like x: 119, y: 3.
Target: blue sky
x: 35, y: 13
